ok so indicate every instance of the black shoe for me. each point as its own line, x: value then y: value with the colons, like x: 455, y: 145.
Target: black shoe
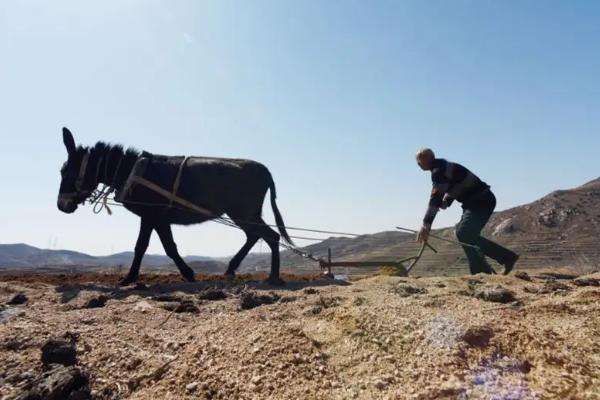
x: 510, y: 264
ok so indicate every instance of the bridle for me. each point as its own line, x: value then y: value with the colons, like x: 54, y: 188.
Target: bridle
x: 79, y: 193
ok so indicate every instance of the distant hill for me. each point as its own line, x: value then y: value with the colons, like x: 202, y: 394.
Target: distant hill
x: 20, y: 256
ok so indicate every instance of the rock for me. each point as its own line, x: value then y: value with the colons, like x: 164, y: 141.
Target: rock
x: 523, y: 276
x: 96, y: 302
x: 496, y: 294
x: 310, y: 291
x: 17, y: 299
x: 59, y: 383
x: 406, y: 290
x: 190, y: 387
x: 249, y: 300
x: 585, y: 281
x: 212, y: 295
x: 555, y: 215
x: 59, y: 351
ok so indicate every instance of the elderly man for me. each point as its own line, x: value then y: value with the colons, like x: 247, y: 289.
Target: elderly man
x: 451, y: 182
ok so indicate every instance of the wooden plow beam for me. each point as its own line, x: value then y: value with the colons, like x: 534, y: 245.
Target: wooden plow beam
x: 404, y: 265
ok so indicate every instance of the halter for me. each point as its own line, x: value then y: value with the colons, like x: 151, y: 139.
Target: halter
x: 79, y: 181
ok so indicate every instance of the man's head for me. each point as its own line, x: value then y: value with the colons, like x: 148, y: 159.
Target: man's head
x: 425, y: 159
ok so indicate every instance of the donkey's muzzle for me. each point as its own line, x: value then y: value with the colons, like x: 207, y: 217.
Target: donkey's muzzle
x: 66, y: 204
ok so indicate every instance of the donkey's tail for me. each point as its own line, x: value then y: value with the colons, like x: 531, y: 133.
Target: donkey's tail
x: 278, y: 218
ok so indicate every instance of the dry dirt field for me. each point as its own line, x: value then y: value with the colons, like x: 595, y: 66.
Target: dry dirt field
x: 530, y: 336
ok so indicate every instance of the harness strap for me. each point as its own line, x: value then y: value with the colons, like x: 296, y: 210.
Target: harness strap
x: 82, y: 170
x: 177, y: 182
x: 173, y: 198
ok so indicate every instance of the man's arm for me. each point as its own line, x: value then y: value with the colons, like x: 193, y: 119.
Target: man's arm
x: 434, y: 205
x: 436, y: 201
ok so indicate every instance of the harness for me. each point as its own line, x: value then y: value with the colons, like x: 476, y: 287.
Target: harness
x: 135, y: 177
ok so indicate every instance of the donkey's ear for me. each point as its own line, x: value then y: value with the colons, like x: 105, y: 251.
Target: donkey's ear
x: 68, y: 140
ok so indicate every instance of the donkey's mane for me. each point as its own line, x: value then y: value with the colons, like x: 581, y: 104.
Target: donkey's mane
x: 107, y: 149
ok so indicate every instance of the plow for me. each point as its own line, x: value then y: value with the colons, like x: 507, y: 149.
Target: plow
x: 402, y: 265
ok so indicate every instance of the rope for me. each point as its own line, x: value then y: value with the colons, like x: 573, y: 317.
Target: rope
x: 220, y: 220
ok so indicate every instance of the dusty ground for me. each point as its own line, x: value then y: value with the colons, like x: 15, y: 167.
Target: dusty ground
x: 376, y: 338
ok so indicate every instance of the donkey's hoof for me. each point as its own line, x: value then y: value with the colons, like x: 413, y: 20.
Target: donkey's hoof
x: 127, y: 281
x: 275, y: 281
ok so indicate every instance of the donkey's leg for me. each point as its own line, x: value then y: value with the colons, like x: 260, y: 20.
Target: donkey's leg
x: 140, y: 248
x: 251, y: 239
x: 272, y: 239
x: 166, y: 238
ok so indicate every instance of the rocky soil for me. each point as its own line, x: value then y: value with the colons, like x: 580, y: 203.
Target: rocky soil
x: 526, y: 336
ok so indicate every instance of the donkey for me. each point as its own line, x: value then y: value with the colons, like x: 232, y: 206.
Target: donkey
x: 234, y: 187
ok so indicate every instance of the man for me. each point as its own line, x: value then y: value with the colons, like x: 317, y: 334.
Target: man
x: 451, y: 182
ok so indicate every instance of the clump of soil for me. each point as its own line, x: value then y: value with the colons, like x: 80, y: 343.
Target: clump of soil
x: 523, y: 275
x: 183, y: 306
x: 586, y: 281
x: 406, y: 290
x: 59, y: 383
x: 17, y: 299
x: 557, y: 275
x: 212, y: 295
x: 57, y: 350
x: 496, y: 294
x: 478, y: 336
x: 550, y: 286
x: 96, y: 302
x: 249, y: 300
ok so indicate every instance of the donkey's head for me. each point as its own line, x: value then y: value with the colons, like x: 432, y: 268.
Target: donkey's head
x: 77, y: 180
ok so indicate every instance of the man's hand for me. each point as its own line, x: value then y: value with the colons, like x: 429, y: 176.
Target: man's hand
x: 423, y: 234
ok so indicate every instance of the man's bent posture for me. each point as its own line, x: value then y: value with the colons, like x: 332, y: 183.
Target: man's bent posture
x: 451, y: 182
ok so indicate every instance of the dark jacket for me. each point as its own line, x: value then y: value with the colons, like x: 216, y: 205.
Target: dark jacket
x: 452, y: 181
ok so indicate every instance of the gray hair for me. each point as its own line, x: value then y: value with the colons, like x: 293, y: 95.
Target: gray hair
x: 425, y: 153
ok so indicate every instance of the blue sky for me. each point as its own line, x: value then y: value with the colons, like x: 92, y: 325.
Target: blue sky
x: 334, y: 97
